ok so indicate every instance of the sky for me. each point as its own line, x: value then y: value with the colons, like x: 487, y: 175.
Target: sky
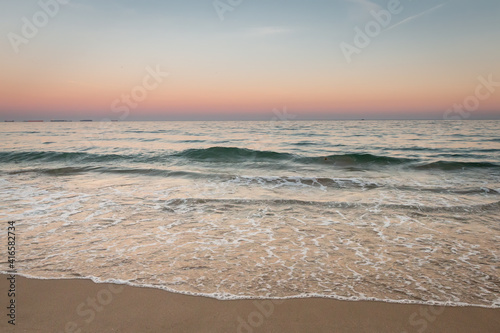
x: 249, y: 59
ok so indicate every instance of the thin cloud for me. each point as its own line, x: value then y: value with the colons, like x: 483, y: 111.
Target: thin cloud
x: 411, y: 18
x: 269, y: 31
x: 366, y: 4
x: 79, y: 5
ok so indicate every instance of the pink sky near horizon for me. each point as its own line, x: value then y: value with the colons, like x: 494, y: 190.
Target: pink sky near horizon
x: 368, y: 97
x: 247, y: 64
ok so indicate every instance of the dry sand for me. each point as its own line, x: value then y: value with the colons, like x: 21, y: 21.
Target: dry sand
x: 83, y: 306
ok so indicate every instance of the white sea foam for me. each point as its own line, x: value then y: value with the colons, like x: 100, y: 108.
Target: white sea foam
x: 229, y: 297
x: 232, y: 223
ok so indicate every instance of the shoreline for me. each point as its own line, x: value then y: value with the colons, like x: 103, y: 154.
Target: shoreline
x: 81, y: 305
x: 259, y: 298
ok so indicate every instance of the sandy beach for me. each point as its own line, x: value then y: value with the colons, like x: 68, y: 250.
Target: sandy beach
x: 84, y: 306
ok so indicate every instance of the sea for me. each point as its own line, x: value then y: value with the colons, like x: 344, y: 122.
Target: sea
x: 394, y: 211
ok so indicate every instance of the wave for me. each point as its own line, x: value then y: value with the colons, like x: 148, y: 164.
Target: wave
x: 232, y: 154
x: 355, y: 159
x: 451, y: 165
x: 195, y: 202
x: 53, y: 156
x: 271, y: 181
x: 346, y: 183
x: 68, y: 171
x: 242, y: 155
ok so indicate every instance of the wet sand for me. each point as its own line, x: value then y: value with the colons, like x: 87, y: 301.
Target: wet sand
x: 83, y: 306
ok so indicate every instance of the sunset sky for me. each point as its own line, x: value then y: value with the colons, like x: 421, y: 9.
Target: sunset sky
x: 93, y: 59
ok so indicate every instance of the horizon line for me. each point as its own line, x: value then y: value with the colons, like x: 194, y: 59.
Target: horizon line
x: 246, y: 120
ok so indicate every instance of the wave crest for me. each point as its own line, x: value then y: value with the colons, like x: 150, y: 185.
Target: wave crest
x: 243, y: 155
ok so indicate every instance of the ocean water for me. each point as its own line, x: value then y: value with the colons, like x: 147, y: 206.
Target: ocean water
x: 400, y: 211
